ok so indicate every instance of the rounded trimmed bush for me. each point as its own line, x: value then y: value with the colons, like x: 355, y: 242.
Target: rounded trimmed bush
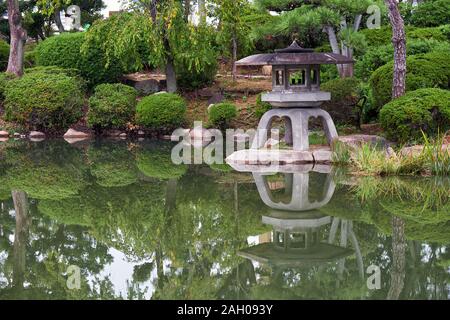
x: 157, y: 163
x: 426, y: 110
x: 161, y: 111
x: 65, y: 51
x: 221, y: 114
x: 4, y: 55
x: 112, y: 105
x: 43, y: 101
x: 423, y: 71
x: 112, y: 165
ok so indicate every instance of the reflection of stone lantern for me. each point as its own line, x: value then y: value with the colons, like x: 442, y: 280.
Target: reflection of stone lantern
x: 296, y: 231
x: 295, y: 96
x: 297, y: 225
x: 296, y: 241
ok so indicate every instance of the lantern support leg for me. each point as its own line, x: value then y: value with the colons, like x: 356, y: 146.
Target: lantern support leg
x: 297, y: 122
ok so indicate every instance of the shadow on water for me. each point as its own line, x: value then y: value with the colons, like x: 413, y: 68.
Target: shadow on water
x: 136, y: 226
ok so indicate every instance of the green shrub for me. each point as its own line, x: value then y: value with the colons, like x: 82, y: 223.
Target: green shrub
x: 379, y: 56
x: 441, y: 33
x: 64, y: 51
x: 431, y: 14
x: 378, y: 37
x: 112, y: 165
x: 43, y: 101
x: 423, y: 71
x: 383, y: 36
x: 4, y: 55
x: 221, y: 114
x: 157, y: 163
x: 29, y: 59
x: 261, y: 106
x: 4, y: 78
x: 426, y: 110
x: 344, y: 99
x: 111, y: 105
x: 161, y: 111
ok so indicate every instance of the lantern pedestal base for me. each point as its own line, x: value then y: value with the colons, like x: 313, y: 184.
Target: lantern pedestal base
x: 297, y: 120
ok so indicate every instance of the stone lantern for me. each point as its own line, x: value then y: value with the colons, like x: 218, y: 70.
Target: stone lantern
x: 296, y: 94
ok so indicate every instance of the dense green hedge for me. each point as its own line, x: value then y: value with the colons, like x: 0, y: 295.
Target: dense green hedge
x: 383, y: 36
x: 64, y: 51
x: 111, y: 105
x: 4, y: 55
x: 426, y: 110
x: 4, y: 77
x: 431, y: 14
x: 441, y: 33
x: 221, y: 114
x: 161, y: 111
x: 423, y: 71
x: 379, y: 56
x: 43, y: 101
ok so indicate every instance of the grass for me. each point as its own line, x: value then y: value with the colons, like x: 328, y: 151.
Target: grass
x: 371, y: 160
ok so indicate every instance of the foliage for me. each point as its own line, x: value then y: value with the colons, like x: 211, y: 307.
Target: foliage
x: 49, y: 170
x: 65, y: 51
x: 136, y: 42
x: 424, y: 110
x: 221, y: 114
x: 261, y: 106
x: 422, y: 71
x: 441, y: 33
x: 161, y: 111
x: 112, y: 165
x: 380, y: 55
x: 431, y: 14
x: 43, y: 101
x: 111, y: 105
x: 155, y: 162
x: 344, y: 100
x: 4, y: 78
x: 191, y: 75
x: 4, y: 55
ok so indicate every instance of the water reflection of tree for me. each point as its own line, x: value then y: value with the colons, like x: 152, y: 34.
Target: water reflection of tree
x: 186, y: 227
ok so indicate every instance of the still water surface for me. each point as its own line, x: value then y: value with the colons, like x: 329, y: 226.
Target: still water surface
x: 134, y: 226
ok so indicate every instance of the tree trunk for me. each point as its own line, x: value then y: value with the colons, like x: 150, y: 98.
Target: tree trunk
x: 202, y: 11
x: 334, y: 47
x: 21, y: 207
x: 187, y: 10
x: 57, y: 17
x: 398, y: 259
x: 171, y: 77
x: 153, y: 10
x: 234, y: 59
x: 399, y: 42
x: 17, y: 38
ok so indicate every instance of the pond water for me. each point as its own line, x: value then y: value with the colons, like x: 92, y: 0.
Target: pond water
x: 118, y: 220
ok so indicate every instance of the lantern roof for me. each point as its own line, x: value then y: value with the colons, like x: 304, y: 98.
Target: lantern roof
x: 294, y: 55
